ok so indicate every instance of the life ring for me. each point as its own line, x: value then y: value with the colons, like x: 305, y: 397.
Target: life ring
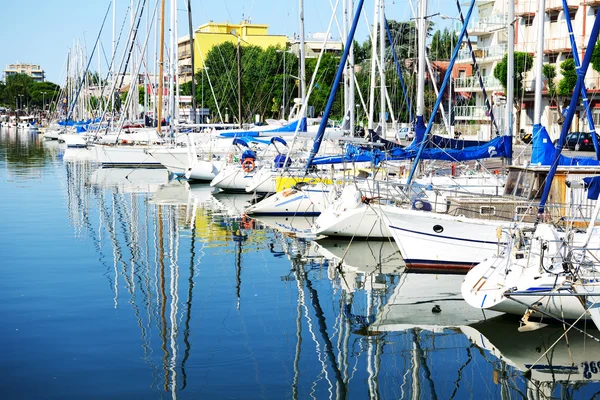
x: 248, y: 165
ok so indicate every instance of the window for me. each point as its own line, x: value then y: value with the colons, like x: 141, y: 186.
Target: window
x: 553, y: 17
x: 519, y: 183
x: 596, y: 116
x: 552, y: 58
x: 485, y: 210
x: 523, y: 210
x: 528, y: 20
x: 572, y: 13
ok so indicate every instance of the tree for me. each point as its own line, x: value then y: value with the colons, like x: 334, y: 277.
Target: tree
x: 262, y: 76
x: 17, y: 90
x: 569, y: 78
x: 549, y: 72
x: 596, y: 57
x: 522, y: 64
x: 43, y: 92
x: 442, y: 45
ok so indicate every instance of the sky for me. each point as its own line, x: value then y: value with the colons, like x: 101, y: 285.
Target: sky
x: 42, y: 31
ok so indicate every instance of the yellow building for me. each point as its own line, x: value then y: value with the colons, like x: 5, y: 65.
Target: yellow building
x: 213, y: 34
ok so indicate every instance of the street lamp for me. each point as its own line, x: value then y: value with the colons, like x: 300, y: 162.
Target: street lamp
x: 20, y: 101
x: 44, y: 101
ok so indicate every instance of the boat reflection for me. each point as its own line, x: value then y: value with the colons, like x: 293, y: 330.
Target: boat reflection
x: 210, y: 295
x: 551, y: 354
x: 128, y: 180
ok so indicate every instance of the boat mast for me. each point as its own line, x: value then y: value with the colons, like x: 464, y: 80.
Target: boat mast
x: 302, y: 56
x: 351, y: 70
x: 133, y: 82
x: 114, y: 31
x: 373, y: 66
x: 510, y: 72
x: 346, y: 69
x: 161, y: 65
x: 173, y: 49
x: 421, y: 32
x: 191, y: 29
x: 239, y: 74
x: 382, y: 88
x: 539, y: 61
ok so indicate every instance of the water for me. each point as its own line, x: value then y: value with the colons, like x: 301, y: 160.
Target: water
x: 121, y: 284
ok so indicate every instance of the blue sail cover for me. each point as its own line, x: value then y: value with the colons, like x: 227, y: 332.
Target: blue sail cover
x: 592, y: 184
x: 290, y: 128
x: 353, y: 154
x: 498, y: 147
x: 434, y: 141
x: 420, y: 128
x: 543, y: 151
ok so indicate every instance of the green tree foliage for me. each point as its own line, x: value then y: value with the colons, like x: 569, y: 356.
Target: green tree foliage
x: 569, y: 78
x: 262, y: 77
x: 596, y: 57
x: 522, y: 63
x: 549, y: 72
x: 442, y: 45
x: 20, y: 90
x: 124, y: 94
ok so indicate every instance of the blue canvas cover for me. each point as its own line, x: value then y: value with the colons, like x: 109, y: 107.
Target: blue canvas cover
x: 248, y: 155
x: 280, y: 160
x: 543, y: 151
x: 592, y: 185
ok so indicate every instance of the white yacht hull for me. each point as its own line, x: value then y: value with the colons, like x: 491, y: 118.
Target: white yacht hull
x: 232, y: 178
x: 534, y: 279
x: 175, y: 160
x: 126, y: 157
x: 72, y: 140
x: 437, y: 241
x: 362, y: 221
x: 287, y: 202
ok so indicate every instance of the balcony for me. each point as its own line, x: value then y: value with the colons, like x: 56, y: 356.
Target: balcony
x: 487, y: 25
x: 471, y: 83
x: 482, y: 54
x: 185, y: 54
x: 525, y: 8
x: 475, y: 113
x: 526, y: 47
x: 557, y: 5
x: 185, y: 70
x: 562, y: 45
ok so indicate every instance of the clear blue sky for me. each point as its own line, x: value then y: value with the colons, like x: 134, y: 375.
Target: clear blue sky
x: 42, y: 31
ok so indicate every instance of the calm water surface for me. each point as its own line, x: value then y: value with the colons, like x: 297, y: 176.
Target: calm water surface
x: 121, y: 284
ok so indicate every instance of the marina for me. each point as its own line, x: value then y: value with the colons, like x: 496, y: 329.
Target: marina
x: 366, y: 200
x: 121, y: 283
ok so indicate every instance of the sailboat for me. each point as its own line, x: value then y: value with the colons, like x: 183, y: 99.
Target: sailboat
x: 544, y: 271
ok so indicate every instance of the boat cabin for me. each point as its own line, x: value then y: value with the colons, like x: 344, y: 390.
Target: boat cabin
x: 523, y: 191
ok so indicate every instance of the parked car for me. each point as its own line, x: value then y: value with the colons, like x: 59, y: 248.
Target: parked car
x: 580, y: 141
x: 405, y: 133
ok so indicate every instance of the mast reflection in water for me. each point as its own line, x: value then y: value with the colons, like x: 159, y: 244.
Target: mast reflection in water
x: 121, y: 283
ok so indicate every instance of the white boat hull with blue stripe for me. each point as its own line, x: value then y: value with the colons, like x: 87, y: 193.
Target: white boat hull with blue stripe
x: 429, y: 240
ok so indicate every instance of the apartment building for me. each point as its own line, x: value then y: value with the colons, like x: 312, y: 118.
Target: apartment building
x: 489, y: 30
x: 33, y: 70
x: 488, y: 35
x: 215, y: 33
